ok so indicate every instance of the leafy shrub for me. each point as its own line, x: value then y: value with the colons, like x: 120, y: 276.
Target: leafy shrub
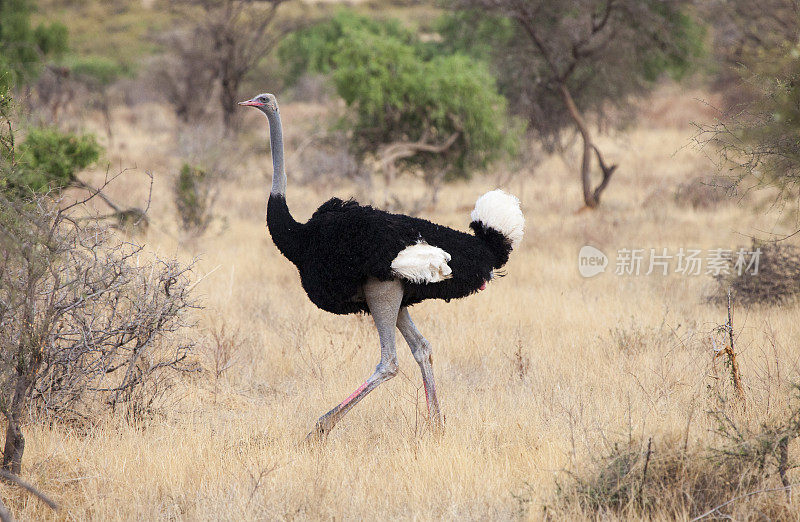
x: 444, y: 110
x: 23, y: 46
x: 397, y: 97
x: 97, y: 70
x: 311, y: 50
x: 59, y: 154
x: 194, y: 198
x: 50, y: 159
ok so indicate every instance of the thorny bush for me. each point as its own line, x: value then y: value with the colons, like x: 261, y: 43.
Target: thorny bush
x: 85, y: 318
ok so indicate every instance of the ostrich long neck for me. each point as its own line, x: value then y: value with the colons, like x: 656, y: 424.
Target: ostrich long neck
x: 285, y: 231
x: 276, y: 146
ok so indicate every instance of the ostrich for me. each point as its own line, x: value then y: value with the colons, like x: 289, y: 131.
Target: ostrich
x: 354, y: 258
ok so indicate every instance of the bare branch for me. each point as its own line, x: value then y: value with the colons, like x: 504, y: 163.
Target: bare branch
x: 77, y: 305
x: 5, y: 514
x: 740, y: 497
x: 28, y: 487
x: 607, y: 172
x: 393, y: 152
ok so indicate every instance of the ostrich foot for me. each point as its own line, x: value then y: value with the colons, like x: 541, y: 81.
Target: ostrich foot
x: 317, y: 436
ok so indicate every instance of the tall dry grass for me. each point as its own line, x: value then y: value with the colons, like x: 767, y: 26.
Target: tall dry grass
x: 538, y: 376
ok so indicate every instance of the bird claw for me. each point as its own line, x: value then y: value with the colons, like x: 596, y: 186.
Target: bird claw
x: 436, y: 425
x: 316, y: 436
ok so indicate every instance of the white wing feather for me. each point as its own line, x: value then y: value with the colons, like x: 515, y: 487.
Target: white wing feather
x: 422, y: 263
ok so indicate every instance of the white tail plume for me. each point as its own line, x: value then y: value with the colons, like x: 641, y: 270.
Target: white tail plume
x: 500, y: 211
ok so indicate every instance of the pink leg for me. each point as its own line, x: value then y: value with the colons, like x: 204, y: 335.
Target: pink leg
x: 326, y: 423
x: 383, y: 299
x: 354, y: 395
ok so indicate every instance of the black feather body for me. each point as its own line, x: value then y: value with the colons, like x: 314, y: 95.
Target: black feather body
x: 344, y: 244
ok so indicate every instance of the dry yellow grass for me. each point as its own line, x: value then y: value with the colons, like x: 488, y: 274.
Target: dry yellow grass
x: 536, y: 374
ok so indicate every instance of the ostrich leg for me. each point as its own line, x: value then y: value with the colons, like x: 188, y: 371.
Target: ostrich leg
x: 421, y: 349
x: 383, y: 299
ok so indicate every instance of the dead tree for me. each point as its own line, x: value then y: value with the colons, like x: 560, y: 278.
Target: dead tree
x: 240, y: 33
x: 184, y: 74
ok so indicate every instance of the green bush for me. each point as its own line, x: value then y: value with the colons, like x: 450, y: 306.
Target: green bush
x: 399, y: 92
x: 49, y: 159
x: 193, y: 197
x: 311, y: 50
x: 23, y: 46
x: 97, y: 70
x: 397, y: 97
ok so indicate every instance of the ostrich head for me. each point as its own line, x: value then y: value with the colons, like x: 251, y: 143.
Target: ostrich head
x: 266, y: 103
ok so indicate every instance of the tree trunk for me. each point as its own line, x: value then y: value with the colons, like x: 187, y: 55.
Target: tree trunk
x: 230, y: 88
x: 106, y: 110
x: 15, y: 441
x: 391, y: 153
x: 591, y: 197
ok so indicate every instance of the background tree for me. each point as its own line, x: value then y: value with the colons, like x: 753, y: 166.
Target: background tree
x: 184, y: 74
x: 559, y: 61
x: 97, y: 74
x: 757, y: 137
x: 22, y: 46
x: 745, y: 34
x: 758, y: 73
x: 238, y: 34
x: 440, y: 114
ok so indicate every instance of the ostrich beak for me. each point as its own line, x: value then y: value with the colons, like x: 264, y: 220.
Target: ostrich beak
x: 252, y: 103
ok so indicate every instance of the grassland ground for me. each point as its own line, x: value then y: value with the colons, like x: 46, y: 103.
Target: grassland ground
x: 537, y: 375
